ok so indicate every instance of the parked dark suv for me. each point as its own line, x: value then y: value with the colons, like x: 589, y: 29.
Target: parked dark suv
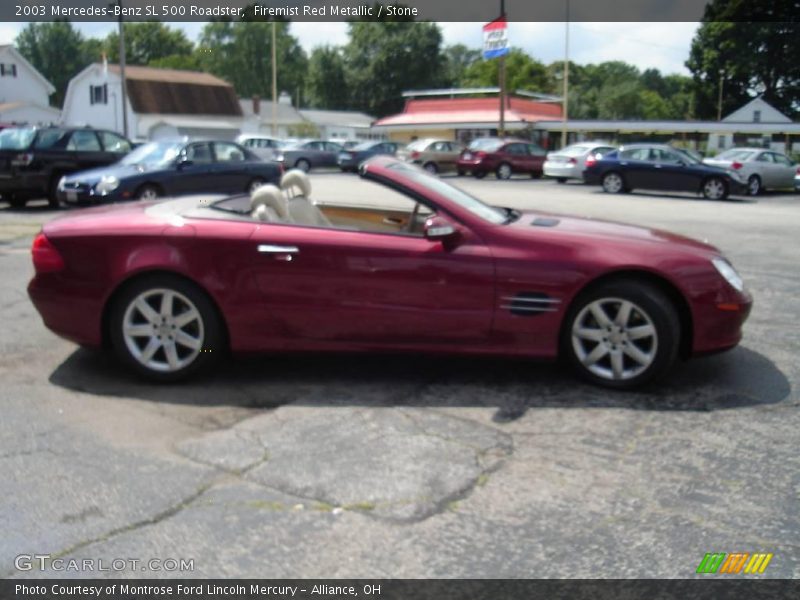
x: 33, y: 159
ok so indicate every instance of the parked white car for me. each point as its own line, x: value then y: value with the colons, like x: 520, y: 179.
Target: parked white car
x: 570, y: 162
x: 264, y: 146
x: 762, y: 169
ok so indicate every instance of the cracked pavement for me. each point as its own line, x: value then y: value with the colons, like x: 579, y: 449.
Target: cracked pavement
x: 404, y: 466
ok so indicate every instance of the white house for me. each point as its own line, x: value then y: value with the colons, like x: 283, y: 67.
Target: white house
x: 753, y: 123
x: 161, y: 103
x: 342, y: 124
x: 258, y: 116
x: 24, y: 92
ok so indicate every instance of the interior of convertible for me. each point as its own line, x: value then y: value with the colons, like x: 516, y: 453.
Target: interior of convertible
x: 291, y: 203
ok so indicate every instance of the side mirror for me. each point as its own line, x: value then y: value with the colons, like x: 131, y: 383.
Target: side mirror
x: 183, y: 163
x: 439, y: 229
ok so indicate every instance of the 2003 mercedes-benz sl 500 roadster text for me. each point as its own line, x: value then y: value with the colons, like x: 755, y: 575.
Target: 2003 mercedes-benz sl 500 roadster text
x: 170, y: 285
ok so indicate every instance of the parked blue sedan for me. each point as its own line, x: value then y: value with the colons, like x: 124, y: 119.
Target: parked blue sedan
x: 350, y: 159
x: 171, y: 169
x: 661, y: 167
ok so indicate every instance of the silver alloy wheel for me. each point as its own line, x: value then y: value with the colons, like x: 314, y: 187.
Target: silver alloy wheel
x: 163, y: 330
x: 303, y: 165
x: 431, y: 168
x: 504, y: 171
x: 714, y: 189
x: 614, y: 339
x: 148, y: 193
x: 754, y: 185
x: 612, y: 183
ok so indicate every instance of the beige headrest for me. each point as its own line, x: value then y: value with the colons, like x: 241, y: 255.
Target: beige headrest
x: 295, y: 181
x: 271, y: 197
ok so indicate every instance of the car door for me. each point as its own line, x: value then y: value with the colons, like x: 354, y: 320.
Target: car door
x: 536, y: 156
x: 671, y: 172
x: 364, y: 288
x: 765, y: 166
x: 515, y: 155
x: 193, y: 172
x: 230, y: 167
x: 115, y: 146
x: 85, y: 150
x: 785, y: 170
x: 636, y: 168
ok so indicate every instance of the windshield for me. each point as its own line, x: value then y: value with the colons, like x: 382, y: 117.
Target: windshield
x: 454, y: 194
x: 364, y: 146
x: 418, y: 145
x: 575, y: 150
x: 736, y: 155
x: 688, y: 157
x: 16, y: 138
x: 485, y: 144
x: 153, y: 153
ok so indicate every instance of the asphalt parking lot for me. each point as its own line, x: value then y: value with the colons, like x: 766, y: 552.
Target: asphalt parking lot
x: 387, y: 466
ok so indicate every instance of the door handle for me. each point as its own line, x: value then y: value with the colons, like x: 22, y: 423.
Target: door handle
x: 393, y: 221
x: 272, y: 249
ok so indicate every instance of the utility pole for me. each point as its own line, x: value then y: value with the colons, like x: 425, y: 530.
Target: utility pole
x: 719, y: 100
x: 565, y: 100
x: 502, y: 76
x: 122, y: 73
x: 274, y: 85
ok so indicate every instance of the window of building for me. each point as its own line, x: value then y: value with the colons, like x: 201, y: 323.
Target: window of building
x: 8, y: 70
x: 756, y: 116
x: 98, y: 94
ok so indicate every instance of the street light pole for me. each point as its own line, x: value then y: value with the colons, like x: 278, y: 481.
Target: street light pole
x: 502, y: 76
x: 274, y: 85
x: 565, y: 101
x: 122, y: 73
x: 719, y: 100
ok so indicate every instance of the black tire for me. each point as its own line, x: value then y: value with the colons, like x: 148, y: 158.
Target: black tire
x: 148, y: 192
x: 536, y: 174
x: 303, y: 165
x: 613, y: 183
x: 431, y: 167
x: 460, y: 173
x: 256, y: 182
x: 503, y: 171
x: 648, y: 300
x: 754, y: 186
x: 561, y: 180
x: 479, y: 174
x: 213, y: 337
x: 718, y: 185
x: 52, y: 192
x: 16, y: 201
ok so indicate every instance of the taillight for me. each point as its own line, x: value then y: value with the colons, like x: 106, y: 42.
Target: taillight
x: 22, y: 160
x: 480, y: 154
x: 736, y: 166
x: 414, y: 154
x: 798, y: 170
x: 590, y: 160
x: 46, y: 258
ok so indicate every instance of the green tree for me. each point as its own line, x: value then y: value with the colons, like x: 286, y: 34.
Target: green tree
x: 750, y: 58
x: 384, y: 59
x: 457, y: 59
x: 522, y: 73
x: 58, y: 51
x: 326, y: 83
x: 148, y: 42
x: 241, y: 54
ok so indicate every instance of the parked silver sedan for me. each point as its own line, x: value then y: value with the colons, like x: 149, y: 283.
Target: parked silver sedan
x: 762, y: 169
x: 570, y: 162
x: 309, y: 154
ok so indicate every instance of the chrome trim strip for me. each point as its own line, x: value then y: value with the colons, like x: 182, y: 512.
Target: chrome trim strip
x: 271, y: 249
x: 534, y: 300
x: 529, y: 308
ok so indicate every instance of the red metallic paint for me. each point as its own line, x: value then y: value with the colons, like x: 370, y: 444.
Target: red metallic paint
x: 354, y: 291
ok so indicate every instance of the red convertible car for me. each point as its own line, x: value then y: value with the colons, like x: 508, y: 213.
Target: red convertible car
x: 171, y: 285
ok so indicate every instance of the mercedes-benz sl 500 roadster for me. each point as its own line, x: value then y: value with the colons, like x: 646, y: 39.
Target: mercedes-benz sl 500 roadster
x: 172, y: 285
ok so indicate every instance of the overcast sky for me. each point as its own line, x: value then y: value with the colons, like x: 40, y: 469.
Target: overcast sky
x: 664, y: 46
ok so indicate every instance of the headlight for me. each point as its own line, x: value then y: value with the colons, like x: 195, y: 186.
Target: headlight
x: 280, y: 158
x: 107, y: 184
x: 62, y: 182
x: 729, y: 273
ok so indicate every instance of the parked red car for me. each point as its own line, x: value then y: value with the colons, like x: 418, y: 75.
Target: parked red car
x: 503, y: 157
x: 172, y: 285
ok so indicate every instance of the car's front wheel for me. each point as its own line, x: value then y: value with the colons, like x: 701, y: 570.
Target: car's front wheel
x: 715, y: 189
x: 303, y: 165
x: 613, y: 183
x: 431, y: 168
x: 622, y: 334
x: 148, y: 192
x: 164, y: 328
x: 503, y: 171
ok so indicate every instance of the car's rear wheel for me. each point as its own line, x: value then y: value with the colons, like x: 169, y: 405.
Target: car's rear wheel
x: 16, y: 201
x: 714, y: 189
x: 460, y: 173
x: 479, y: 174
x: 561, y: 179
x: 503, y: 171
x: 148, y: 192
x: 254, y: 184
x: 165, y: 328
x: 536, y: 174
x: 622, y: 334
x: 431, y: 168
x: 613, y: 183
x: 754, y: 185
x: 303, y: 165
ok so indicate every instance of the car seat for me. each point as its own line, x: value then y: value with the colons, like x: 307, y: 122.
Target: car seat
x: 297, y: 186
x: 268, y: 203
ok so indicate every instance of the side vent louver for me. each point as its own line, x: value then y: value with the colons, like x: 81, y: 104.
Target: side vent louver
x: 530, y: 304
